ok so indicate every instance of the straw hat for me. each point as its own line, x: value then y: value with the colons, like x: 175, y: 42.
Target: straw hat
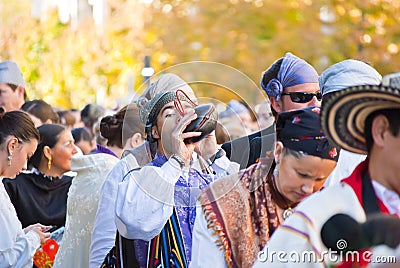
x: 345, y: 113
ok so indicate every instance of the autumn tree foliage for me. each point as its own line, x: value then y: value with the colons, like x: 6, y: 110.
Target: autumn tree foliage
x: 71, y: 67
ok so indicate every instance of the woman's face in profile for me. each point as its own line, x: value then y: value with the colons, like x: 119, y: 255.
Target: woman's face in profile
x: 63, y: 151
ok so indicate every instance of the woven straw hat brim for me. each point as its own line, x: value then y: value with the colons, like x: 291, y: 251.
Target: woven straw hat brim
x: 344, y: 113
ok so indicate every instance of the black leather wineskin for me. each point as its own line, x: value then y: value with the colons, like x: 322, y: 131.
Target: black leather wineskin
x: 206, y: 122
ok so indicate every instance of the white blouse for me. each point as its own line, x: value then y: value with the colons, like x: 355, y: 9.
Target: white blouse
x: 16, y: 247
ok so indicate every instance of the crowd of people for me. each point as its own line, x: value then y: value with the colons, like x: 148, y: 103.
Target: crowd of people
x: 167, y: 182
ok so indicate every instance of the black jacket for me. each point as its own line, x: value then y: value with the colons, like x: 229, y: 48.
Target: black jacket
x: 37, y: 199
x: 246, y: 150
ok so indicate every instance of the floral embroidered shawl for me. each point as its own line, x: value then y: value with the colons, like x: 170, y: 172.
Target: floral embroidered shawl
x: 240, y: 211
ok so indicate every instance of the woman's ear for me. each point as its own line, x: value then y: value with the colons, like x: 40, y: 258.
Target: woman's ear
x: 278, y: 153
x: 12, y: 144
x: 47, y: 152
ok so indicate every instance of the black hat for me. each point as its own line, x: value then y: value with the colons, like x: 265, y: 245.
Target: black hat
x: 300, y: 130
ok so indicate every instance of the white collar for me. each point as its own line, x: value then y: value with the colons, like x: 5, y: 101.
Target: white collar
x: 389, y: 198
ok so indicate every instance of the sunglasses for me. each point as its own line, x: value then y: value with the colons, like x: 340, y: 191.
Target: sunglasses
x: 303, y: 97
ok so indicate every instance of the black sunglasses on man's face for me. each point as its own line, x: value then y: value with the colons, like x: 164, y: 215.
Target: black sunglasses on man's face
x: 303, y: 97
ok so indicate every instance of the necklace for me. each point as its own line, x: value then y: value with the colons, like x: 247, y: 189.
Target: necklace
x: 50, y: 178
x: 287, y: 212
x: 279, y: 199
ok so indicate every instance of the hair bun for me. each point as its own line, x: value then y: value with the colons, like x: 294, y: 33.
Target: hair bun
x: 109, y: 126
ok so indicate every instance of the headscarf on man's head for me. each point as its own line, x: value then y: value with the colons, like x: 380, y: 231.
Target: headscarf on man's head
x: 292, y: 72
x: 301, y: 131
x: 348, y: 73
x: 160, y: 93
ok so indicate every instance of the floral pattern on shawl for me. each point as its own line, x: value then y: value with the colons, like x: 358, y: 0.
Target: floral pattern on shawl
x: 240, y: 210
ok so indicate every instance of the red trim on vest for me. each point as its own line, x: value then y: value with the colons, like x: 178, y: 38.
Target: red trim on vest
x: 355, y: 182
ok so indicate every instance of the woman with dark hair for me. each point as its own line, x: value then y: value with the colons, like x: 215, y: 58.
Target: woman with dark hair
x: 40, y: 112
x: 18, y: 141
x: 41, y: 195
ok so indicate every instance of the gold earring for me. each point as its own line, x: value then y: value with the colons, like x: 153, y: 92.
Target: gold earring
x: 49, y: 163
x: 9, y: 158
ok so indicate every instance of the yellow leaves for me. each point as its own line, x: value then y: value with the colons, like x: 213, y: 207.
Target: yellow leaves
x: 393, y: 48
x: 167, y: 8
x: 355, y: 13
x: 341, y: 11
x: 73, y: 67
x: 366, y: 38
x: 308, y: 2
x: 258, y: 3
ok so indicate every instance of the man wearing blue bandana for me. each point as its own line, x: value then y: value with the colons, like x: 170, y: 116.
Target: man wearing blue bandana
x: 290, y: 83
x: 294, y: 86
